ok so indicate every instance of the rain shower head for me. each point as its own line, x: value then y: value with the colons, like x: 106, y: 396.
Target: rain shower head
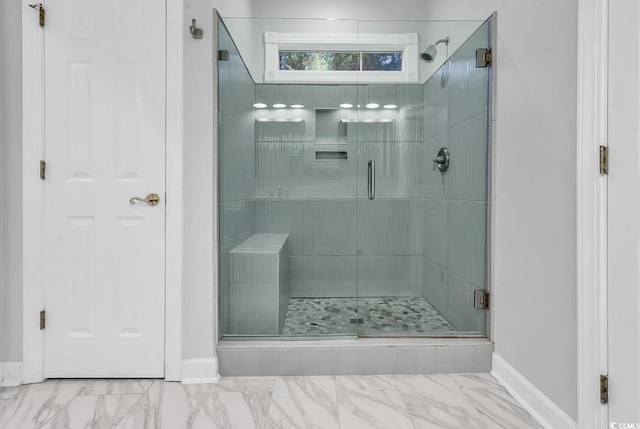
x: 428, y: 54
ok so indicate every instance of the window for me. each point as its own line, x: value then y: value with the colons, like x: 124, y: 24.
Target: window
x: 328, y: 60
x: 341, y: 58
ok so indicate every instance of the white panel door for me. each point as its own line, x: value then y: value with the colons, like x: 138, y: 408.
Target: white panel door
x: 104, y: 143
x: 624, y: 213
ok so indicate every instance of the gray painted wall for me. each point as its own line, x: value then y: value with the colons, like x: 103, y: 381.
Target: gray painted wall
x: 10, y: 181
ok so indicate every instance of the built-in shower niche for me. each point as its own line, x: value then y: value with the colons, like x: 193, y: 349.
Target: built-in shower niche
x: 330, y: 136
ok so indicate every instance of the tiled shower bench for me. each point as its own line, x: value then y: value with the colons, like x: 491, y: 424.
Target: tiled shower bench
x: 259, y: 292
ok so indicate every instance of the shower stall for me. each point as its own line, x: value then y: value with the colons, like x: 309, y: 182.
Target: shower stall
x: 353, y: 178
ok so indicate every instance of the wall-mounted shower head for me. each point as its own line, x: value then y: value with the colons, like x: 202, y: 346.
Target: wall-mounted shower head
x: 428, y: 54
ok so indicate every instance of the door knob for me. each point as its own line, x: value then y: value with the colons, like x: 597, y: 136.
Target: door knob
x: 151, y: 200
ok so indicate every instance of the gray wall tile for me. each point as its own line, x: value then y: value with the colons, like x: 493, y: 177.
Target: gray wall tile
x: 347, y: 361
x: 427, y: 360
x: 407, y: 360
x: 367, y: 360
x: 387, y: 360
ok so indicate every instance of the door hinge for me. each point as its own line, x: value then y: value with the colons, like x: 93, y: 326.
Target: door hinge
x: 604, y: 389
x: 604, y: 160
x: 483, y: 58
x: 43, y: 320
x: 481, y: 300
x: 223, y: 55
x: 43, y: 169
x: 40, y: 12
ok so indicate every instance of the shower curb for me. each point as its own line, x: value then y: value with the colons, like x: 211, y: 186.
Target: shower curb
x: 356, y: 356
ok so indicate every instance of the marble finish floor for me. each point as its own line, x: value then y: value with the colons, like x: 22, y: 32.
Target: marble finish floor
x: 340, y: 402
x: 326, y: 316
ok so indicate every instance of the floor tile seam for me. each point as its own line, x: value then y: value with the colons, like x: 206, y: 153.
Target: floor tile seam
x: 468, y: 403
x: 135, y: 404
x: 480, y: 410
x: 406, y: 407
x: 335, y: 387
x: 266, y: 417
x: 496, y: 387
x: 515, y: 407
x: 489, y: 418
x: 66, y: 405
x: 114, y: 394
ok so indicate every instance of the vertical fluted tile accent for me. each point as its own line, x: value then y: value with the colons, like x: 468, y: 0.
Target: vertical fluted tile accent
x: 455, y: 116
x: 389, y: 227
x: 331, y: 276
x: 280, y: 131
x: 467, y: 85
x: 259, y: 290
x: 399, y: 167
x: 467, y: 237
x: 460, y: 301
x: 436, y: 285
x: 254, y: 309
x: 237, y: 162
x: 332, y: 96
x: 285, y: 217
x: 467, y: 144
x: 333, y: 227
x: 407, y: 117
x: 397, y: 275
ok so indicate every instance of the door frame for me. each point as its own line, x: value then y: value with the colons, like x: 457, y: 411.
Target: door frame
x: 592, y: 206
x: 33, y: 192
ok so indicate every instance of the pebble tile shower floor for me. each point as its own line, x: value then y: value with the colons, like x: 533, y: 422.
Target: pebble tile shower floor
x: 318, y: 316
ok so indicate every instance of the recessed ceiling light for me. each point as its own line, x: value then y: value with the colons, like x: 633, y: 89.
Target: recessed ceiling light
x: 279, y: 106
x: 297, y: 106
x: 372, y: 106
x: 390, y: 106
x: 259, y: 105
x: 346, y: 105
x: 279, y: 119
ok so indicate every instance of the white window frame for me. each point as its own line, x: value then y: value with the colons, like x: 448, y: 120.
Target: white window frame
x: 407, y: 43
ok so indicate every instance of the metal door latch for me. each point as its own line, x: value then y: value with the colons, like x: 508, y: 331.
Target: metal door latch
x: 151, y: 200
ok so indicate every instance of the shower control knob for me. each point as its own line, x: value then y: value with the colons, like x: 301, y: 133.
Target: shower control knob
x: 441, y: 161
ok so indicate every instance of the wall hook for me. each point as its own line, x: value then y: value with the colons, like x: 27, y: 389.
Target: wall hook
x: 195, y: 31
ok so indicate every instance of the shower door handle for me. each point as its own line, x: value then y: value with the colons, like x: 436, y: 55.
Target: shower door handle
x: 371, y: 179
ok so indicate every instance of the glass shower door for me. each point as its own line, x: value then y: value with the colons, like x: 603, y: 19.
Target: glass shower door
x: 421, y: 239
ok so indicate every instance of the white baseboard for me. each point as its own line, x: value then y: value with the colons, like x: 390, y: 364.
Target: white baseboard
x: 530, y: 397
x: 200, y: 371
x: 10, y: 374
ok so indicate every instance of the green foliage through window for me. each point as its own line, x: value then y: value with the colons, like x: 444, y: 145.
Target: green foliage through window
x: 349, y: 61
